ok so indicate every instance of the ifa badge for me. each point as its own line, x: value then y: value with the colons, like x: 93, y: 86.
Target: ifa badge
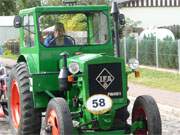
x: 99, y: 104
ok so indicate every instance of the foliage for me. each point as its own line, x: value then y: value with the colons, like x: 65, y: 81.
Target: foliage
x: 167, y: 51
x: 130, y: 26
x: 132, y: 23
x: 75, y: 22
x: 11, y: 7
x: 147, y: 51
x: 52, y: 2
x: 21, y: 4
x: 168, y: 56
x: 12, y: 45
x: 131, y: 49
x: 175, y: 30
x: 7, y: 7
x: 7, y: 52
x: 11, y: 49
x: 72, y: 22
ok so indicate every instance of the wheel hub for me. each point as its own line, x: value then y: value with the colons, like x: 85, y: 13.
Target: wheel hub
x: 141, y: 116
x: 15, y: 104
x: 52, y: 126
x: 48, y: 129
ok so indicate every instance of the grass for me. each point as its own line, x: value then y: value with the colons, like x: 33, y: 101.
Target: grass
x: 157, y: 79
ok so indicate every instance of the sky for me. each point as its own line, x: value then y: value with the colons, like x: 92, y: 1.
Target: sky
x: 152, y: 17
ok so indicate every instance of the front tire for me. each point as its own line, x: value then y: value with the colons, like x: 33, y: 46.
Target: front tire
x: 146, y: 110
x: 23, y: 117
x: 58, y: 119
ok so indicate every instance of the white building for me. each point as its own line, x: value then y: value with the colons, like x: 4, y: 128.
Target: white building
x: 7, y: 31
x: 152, y: 13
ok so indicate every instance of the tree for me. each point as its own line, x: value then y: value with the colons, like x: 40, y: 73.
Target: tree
x: 11, y: 7
x: 130, y: 26
x: 175, y: 29
x: 21, y: 4
x: 76, y: 22
x: 7, y: 7
x: 51, y: 2
x: 73, y: 22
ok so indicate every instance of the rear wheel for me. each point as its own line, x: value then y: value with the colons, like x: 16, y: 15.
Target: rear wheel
x: 23, y: 117
x: 145, y: 109
x: 58, y: 118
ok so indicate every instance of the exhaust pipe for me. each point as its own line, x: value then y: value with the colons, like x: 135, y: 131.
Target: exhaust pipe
x: 63, y: 74
x: 115, y: 14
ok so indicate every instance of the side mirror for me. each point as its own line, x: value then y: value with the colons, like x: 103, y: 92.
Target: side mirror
x: 122, y: 19
x: 17, y: 21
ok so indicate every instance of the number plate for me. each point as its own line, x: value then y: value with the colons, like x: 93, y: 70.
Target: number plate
x: 99, y: 104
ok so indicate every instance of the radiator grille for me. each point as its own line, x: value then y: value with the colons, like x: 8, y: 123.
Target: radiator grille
x: 105, y: 79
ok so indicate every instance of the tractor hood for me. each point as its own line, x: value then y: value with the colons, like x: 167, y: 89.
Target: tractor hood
x: 89, y: 58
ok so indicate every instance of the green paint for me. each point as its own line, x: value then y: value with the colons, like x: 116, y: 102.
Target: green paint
x: 137, y: 125
x: 44, y: 65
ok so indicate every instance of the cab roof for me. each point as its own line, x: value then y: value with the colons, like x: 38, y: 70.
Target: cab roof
x: 77, y: 8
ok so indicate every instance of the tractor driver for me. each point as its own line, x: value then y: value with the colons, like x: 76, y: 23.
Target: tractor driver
x: 58, y: 37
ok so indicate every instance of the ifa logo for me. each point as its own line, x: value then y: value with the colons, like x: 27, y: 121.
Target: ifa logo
x: 105, y: 78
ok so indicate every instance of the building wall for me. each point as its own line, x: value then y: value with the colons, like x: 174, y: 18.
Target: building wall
x: 152, y: 3
x: 8, y: 32
x: 153, y: 16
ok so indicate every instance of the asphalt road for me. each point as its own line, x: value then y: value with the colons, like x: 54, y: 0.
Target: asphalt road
x: 4, y: 127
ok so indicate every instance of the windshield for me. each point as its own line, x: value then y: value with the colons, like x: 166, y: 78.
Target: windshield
x: 73, y: 29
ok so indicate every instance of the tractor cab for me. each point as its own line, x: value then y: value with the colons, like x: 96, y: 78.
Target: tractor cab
x: 48, y: 31
x: 70, y: 67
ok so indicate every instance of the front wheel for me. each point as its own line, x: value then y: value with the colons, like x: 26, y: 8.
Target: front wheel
x: 146, y: 110
x: 58, y: 118
x: 23, y: 117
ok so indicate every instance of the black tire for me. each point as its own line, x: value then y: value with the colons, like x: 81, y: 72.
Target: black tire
x: 62, y: 118
x: 30, y: 118
x: 145, y: 109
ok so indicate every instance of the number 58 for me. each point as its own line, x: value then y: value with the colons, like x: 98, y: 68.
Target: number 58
x: 98, y: 102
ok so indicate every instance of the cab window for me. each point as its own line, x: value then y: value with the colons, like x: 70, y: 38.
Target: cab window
x: 28, y: 25
x: 73, y: 29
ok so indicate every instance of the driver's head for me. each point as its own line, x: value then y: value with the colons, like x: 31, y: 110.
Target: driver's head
x: 59, y: 29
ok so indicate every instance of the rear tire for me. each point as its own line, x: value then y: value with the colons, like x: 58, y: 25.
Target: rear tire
x: 23, y: 117
x: 58, y: 119
x: 145, y: 109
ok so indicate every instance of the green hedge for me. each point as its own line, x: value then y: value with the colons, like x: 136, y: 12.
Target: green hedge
x: 167, y: 52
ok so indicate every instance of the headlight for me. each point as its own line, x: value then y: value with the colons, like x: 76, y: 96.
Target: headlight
x: 74, y: 68
x: 133, y: 63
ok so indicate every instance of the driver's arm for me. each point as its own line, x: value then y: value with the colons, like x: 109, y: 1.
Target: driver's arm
x: 49, y: 40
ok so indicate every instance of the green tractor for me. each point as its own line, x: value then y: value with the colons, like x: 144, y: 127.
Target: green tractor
x: 78, y: 78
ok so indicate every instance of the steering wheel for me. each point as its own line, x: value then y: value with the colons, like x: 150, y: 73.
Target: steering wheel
x: 71, y: 38
x: 50, y: 44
